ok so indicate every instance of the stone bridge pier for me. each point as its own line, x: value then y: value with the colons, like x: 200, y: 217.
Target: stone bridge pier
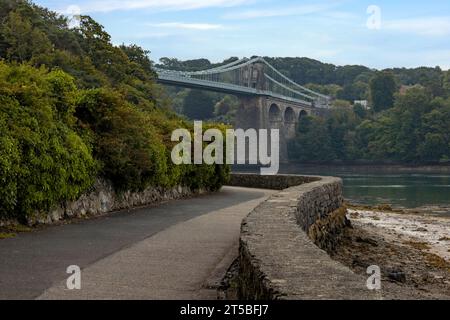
x: 271, y: 113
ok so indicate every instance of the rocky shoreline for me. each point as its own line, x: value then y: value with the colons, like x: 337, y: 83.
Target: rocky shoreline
x: 412, y: 248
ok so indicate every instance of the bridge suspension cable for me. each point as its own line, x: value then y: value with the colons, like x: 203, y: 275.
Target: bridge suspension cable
x: 249, y: 76
x: 292, y: 82
x: 287, y: 88
x: 220, y: 68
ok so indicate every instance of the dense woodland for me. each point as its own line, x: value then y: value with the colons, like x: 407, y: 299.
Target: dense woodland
x: 408, y: 120
x: 73, y: 108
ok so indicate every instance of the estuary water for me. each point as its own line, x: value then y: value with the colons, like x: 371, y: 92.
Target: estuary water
x: 401, y: 188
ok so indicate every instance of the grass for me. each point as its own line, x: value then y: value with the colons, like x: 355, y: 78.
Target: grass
x: 19, y: 228
x: 4, y: 235
x: 12, y: 231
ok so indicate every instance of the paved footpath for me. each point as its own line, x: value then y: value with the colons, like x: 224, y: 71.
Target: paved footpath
x: 178, y: 250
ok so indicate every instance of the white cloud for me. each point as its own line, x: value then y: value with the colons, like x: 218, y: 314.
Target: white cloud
x: 114, y: 5
x: 188, y: 26
x: 432, y: 26
x: 72, y: 10
x: 281, y: 12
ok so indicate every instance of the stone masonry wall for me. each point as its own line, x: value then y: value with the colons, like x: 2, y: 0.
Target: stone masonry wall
x: 278, y: 182
x: 103, y: 199
x: 278, y: 260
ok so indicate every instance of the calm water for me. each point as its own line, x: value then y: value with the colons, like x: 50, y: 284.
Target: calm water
x: 407, y: 190
x: 374, y: 186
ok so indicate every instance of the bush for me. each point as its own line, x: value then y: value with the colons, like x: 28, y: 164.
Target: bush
x: 57, y: 139
x: 9, y: 169
x: 43, y: 161
x: 134, y: 145
x: 129, y: 148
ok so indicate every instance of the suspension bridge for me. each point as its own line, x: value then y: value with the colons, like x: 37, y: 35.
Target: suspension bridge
x: 248, y: 77
x: 269, y: 99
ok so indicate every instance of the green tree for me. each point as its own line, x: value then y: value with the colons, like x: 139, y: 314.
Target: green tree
x: 360, y: 111
x: 396, y: 134
x: 354, y: 91
x: 23, y: 41
x: 446, y: 83
x: 44, y: 161
x: 225, y: 110
x: 138, y: 55
x: 382, y: 89
x: 331, y: 90
x: 341, y: 125
x: 435, y: 144
x: 9, y: 169
x: 188, y: 65
x: 313, y: 142
x: 198, y: 105
x: 434, y: 83
x: 341, y: 104
x: 98, y: 113
x: 97, y: 45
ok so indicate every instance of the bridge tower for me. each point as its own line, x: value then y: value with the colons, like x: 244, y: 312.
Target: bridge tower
x: 268, y: 99
x: 269, y: 113
x: 253, y: 76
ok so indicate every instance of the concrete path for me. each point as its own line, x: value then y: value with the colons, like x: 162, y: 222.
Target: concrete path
x: 174, y: 251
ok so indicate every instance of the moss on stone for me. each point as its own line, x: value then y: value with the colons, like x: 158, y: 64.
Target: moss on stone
x: 326, y: 232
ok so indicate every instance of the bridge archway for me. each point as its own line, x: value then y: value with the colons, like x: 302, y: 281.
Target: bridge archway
x: 289, y: 116
x: 289, y: 122
x: 275, y: 114
x: 302, y: 114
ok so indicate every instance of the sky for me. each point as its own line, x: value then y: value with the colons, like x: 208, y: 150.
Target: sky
x: 378, y: 33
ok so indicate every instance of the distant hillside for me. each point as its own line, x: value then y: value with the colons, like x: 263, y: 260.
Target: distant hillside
x: 343, y: 82
x: 407, y: 119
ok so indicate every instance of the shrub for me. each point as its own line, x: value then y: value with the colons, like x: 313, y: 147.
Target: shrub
x: 134, y: 145
x: 56, y: 139
x: 44, y: 161
x: 9, y: 169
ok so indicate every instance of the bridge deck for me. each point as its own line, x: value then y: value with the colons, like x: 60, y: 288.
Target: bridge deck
x: 225, y: 88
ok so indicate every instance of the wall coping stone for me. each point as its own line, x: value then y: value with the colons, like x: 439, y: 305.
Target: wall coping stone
x: 277, y: 258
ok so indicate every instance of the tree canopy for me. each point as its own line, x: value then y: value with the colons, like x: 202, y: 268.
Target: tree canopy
x: 75, y: 108
x: 415, y: 130
x: 382, y: 90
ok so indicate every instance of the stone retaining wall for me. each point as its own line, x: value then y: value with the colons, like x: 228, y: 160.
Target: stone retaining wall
x: 104, y: 199
x: 278, y: 182
x: 277, y: 258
